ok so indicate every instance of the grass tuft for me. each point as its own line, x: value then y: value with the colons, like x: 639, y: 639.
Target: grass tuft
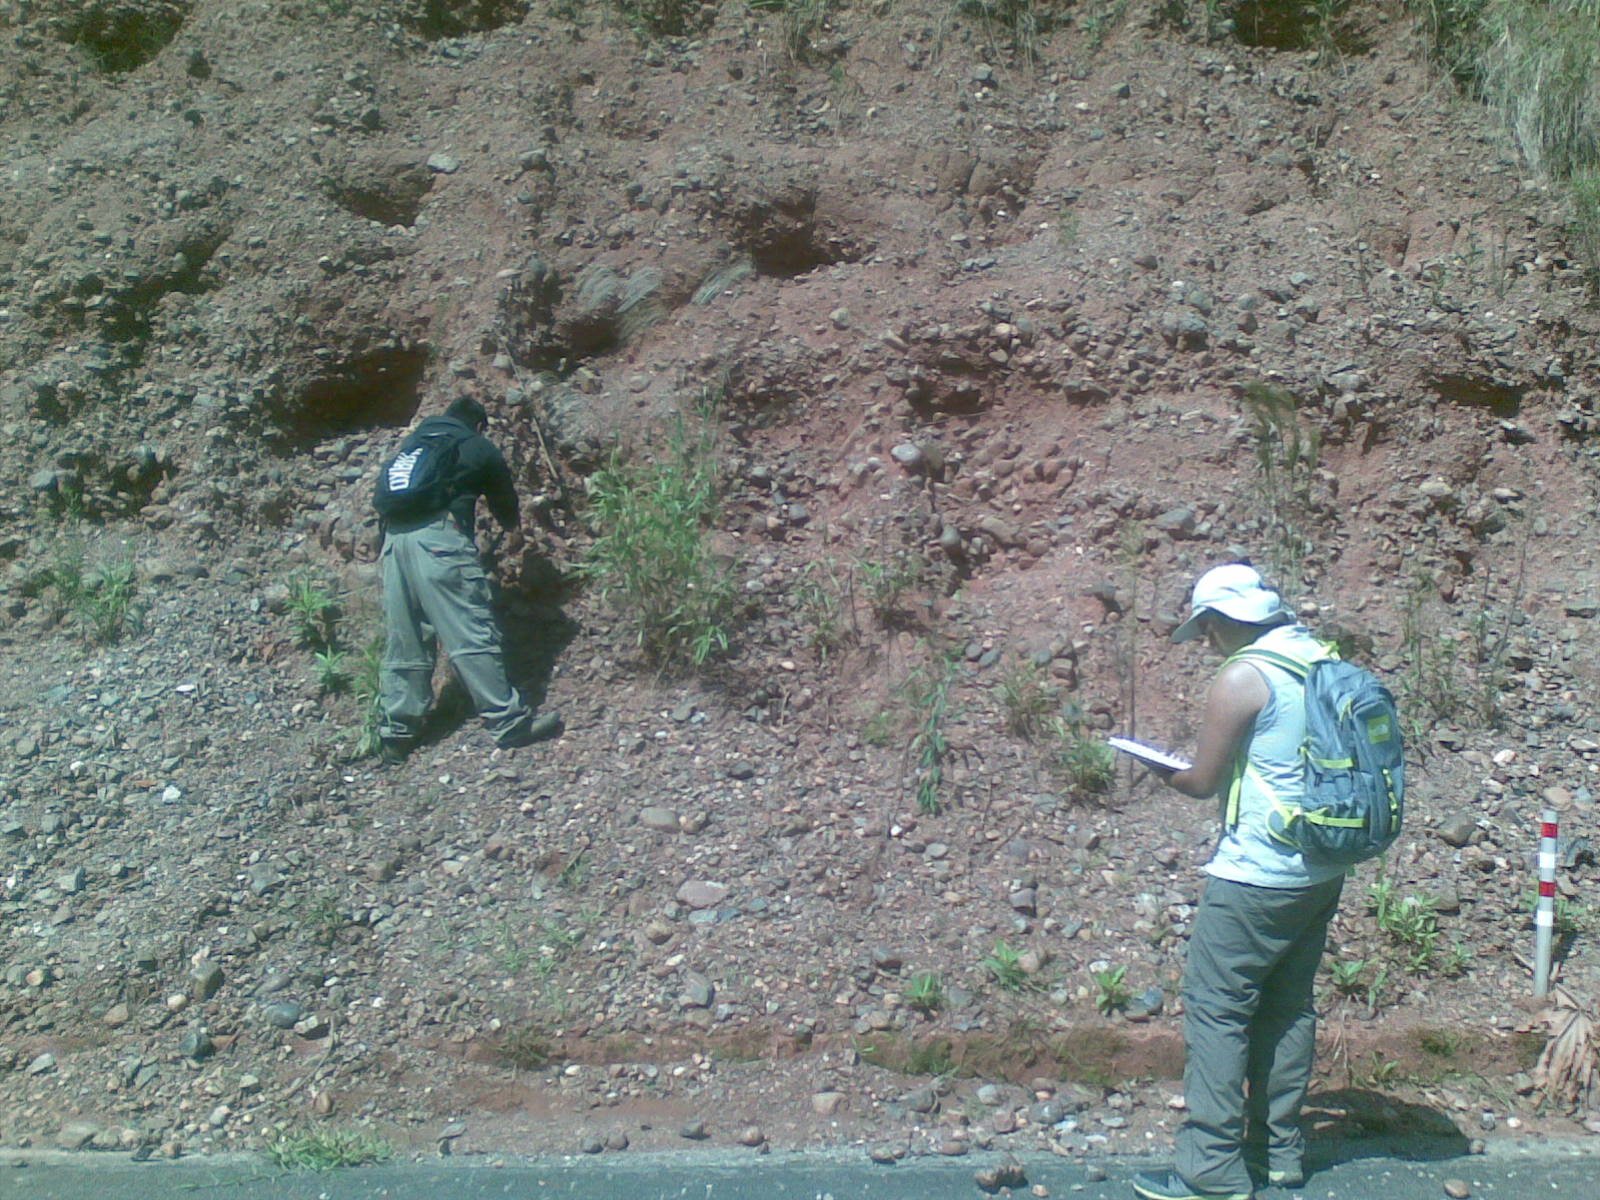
x: 1084, y: 763
x: 325, y: 1149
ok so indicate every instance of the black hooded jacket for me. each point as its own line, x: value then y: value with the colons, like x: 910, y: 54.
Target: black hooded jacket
x: 480, y: 471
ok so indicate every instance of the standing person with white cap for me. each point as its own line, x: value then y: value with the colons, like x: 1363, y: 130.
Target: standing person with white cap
x: 1249, y: 1017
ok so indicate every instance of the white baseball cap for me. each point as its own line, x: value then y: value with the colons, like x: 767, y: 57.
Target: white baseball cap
x: 1234, y: 590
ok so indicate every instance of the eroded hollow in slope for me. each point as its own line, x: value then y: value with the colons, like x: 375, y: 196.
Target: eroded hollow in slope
x: 123, y: 34
x: 379, y: 387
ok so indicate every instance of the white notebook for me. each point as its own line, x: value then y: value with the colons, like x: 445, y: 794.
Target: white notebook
x: 1148, y: 754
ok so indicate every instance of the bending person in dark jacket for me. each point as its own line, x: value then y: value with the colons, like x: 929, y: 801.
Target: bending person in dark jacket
x: 435, y: 588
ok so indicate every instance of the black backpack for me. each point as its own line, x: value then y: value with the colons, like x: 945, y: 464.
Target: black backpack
x: 419, y: 482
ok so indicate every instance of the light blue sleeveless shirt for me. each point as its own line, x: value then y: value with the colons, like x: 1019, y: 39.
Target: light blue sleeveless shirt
x: 1245, y: 853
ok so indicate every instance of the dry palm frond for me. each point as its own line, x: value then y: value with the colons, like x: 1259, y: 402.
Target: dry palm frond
x: 1568, y: 1064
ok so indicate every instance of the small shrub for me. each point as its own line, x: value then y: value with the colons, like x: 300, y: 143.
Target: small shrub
x: 100, y: 599
x: 878, y: 729
x: 322, y: 919
x: 574, y: 872
x: 925, y: 993
x: 122, y: 34
x: 1456, y: 960
x: 799, y: 21
x: 1409, y: 922
x: 1112, y: 994
x: 1100, y: 20
x: 1382, y: 1072
x: 1021, y: 22
x: 1570, y: 917
x: 1440, y: 1043
x: 1433, y: 682
x: 652, y: 557
x: 106, y: 602
x: 1378, y: 990
x: 935, y: 1057
x: 325, y: 1149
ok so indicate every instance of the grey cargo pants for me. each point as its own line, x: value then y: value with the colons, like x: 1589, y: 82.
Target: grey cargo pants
x: 1249, y: 1018
x: 435, y: 588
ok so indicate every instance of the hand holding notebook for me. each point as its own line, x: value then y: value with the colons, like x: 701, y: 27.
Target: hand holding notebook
x: 1148, y: 755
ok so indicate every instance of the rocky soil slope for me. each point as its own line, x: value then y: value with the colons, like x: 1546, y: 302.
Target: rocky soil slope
x: 1004, y: 352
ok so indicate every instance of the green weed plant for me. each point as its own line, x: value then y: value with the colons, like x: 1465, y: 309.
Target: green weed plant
x: 100, y: 600
x: 925, y: 993
x: 928, y: 691
x: 1112, y: 993
x: 314, y: 612
x: 1004, y: 965
x: 652, y: 557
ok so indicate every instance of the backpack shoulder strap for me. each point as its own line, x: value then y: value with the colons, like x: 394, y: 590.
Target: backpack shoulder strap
x: 1293, y: 663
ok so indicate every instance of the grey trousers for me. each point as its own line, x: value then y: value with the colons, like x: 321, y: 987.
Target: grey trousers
x: 434, y: 589
x: 1249, y: 1020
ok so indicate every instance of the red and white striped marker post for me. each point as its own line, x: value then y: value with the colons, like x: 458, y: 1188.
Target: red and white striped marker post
x: 1544, y: 921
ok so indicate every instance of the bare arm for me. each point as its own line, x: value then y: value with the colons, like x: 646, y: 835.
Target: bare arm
x: 1236, y: 696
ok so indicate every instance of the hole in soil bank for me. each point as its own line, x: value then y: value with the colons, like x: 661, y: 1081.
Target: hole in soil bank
x: 452, y: 18
x: 124, y: 34
x: 1471, y: 391
x: 784, y: 237
x: 378, y: 388
x: 1299, y: 25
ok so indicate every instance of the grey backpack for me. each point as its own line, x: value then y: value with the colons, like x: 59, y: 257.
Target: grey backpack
x: 1354, y: 762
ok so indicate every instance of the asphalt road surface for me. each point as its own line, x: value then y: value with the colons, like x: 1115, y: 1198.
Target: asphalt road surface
x: 1521, y: 1171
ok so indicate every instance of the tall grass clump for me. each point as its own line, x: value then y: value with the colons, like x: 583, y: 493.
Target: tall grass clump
x: 1536, y: 63
x: 1021, y: 22
x: 1585, y: 187
x: 799, y: 21
x: 1540, y: 67
x: 652, y: 556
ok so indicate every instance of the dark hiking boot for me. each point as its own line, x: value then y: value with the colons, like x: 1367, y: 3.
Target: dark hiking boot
x: 1279, y: 1177
x: 535, y: 729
